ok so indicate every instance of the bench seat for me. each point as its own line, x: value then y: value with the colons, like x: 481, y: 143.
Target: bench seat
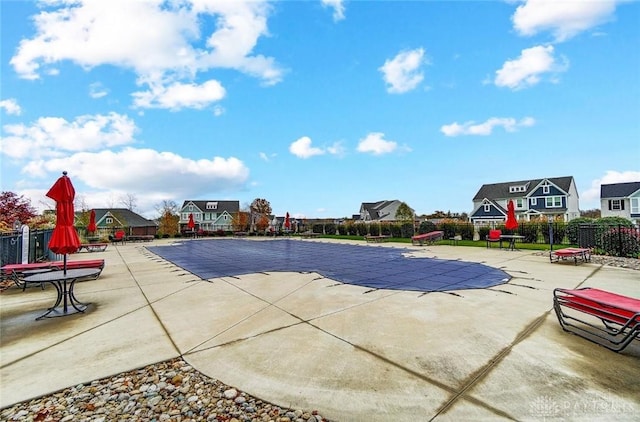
x: 605, y: 318
x: 377, y: 239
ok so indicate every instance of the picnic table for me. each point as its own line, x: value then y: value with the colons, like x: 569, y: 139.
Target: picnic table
x: 309, y: 234
x: 64, y: 283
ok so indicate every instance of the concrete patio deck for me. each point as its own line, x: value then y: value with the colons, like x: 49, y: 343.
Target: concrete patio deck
x: 301, y: 340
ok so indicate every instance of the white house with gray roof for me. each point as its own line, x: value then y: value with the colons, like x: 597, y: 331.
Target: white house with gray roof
x: 621, y: 200
x: 553, y: 197
x: 379, y: 211
x: 210, y: 215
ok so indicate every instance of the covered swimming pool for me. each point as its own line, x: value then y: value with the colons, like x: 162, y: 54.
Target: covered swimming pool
x: 367, y: 266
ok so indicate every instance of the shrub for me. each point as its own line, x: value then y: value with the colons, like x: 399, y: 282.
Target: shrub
x: 352, y: 229
x: 465, y: 230
x: 559, y: 230
x: 529, y: 229
x: 449, y: 227
x: 406, y: 230
x: 621, y: 241
x: 388, y: 229
x: 483, y: 232
x: 374, y: 230
x: 342, y: 229
x: 330, y: 228
x: 318, y: 228
x: 220, y: 233
x: 573, y: 228
x: 362, y: 229
x: 426, y: 227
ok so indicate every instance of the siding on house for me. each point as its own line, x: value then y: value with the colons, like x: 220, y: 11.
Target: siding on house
x: 621, y: 200
x: 555, y: 197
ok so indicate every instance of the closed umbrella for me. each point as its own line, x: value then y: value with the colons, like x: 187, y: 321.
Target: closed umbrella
x: 191, y: 224
x: 512, y: 222
x: 64, y: 239
x: 287, y: 222
x: 92, y: 222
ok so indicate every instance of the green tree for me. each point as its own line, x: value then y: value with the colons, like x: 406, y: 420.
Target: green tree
x: 405, y: 214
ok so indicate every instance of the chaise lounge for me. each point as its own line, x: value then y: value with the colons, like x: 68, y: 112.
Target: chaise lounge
x: 608, y: 319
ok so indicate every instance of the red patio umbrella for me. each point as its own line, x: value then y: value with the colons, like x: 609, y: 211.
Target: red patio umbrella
x: 64, y: 239
x: 511, y: 223
x: 287, y: 222
x: 191, y: 224
x: 92, y: 222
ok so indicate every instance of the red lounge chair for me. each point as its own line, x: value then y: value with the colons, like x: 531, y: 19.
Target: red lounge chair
x: 427, y: 237
x: 575, y: 253
x: 494, y: 236
x: 608, y: 319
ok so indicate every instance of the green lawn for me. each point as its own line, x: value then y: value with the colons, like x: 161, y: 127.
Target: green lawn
x: 476, y: 243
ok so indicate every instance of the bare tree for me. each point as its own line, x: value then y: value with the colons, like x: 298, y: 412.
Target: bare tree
x: 129, y: 201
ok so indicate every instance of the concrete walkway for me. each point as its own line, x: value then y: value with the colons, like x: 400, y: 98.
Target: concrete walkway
x: 304, y: 341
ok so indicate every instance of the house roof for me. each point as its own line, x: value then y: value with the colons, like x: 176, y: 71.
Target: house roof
x: 229, y: 206
x: 501, y: 190
x: 619, y: 190
x: 373, y: 208
x: 131, y: 219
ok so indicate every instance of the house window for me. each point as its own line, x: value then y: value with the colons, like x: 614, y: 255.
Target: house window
x: 109, y: 220
x: 545, y: 189
x: 519, y: 203
x: 486, y: 207
x: 190, y: 207
x: 635, y: 205
x: 212, y: 205
x: 553, y: 201
x: 615, y: 205
x: 534, y: 201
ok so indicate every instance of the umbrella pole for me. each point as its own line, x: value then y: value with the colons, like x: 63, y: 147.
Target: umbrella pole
x: 64, y: 264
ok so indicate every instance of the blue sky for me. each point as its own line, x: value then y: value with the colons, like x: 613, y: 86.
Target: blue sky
x: 316, y: 106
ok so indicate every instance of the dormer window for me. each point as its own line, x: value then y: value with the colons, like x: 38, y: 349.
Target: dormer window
x: 545, y: 187
x: 516, y: 189
x: 212, y: 205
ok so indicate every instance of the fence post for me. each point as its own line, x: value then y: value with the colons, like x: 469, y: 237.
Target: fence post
x: 25, y: 244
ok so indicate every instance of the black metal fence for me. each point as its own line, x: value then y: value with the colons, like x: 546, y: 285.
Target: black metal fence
x: 615, y: 240
x: 11, y: 246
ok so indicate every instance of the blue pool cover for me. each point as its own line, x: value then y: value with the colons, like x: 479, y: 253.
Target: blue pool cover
x: 373, y: 267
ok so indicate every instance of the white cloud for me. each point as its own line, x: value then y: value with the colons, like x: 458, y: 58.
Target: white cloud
x: 376, y: 144
x: 95, y: 33
x: 528, y: 69
x: 302, y: 148
x: 266, y: 157
x: 402, y: 73
x: 486, y: 128
x: 150, y: 176
x: 336, y: 149
x: 564, y: 19
x: 178, y: 95
x: 592, y: 195
x: 218, y: 110
x: 96, y: 90
x: 55, y: 136
x: 11, y: 106
x: 338, y: 8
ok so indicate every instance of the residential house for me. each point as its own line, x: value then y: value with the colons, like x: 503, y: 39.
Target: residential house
x: 621, y: 200
x: 379, y: 211
x: 209, y: 215
x: 109, y: 220
x: 554, y: 197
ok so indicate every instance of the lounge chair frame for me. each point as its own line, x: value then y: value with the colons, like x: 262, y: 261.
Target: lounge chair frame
x: 608, y: 319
